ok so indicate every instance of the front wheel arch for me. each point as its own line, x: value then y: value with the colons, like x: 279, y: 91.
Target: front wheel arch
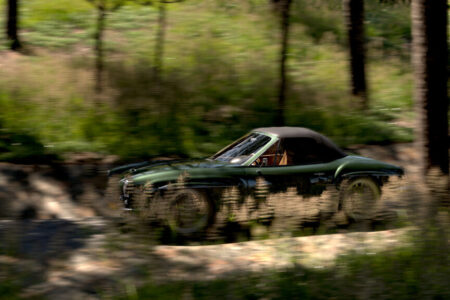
x: 200, y: 204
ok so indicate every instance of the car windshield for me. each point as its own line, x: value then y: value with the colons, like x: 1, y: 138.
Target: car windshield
x: 241, y: 150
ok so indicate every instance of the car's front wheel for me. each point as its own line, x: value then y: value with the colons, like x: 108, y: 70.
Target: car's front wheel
x: 359, y: 197
x: 190, y: 211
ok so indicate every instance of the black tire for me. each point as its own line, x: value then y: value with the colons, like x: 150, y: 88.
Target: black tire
x: 190, y: 211
x: 359, y: 197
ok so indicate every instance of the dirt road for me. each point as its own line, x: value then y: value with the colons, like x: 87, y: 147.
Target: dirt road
x: 57, y: 245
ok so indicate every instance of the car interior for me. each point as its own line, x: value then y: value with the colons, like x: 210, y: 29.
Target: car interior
x: 293, y: 151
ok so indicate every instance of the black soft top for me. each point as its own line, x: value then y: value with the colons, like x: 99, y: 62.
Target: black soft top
x: 301, y: 132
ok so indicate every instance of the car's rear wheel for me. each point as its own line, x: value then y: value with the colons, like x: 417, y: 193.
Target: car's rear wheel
x: 359, y: 198
x: 190, y: 211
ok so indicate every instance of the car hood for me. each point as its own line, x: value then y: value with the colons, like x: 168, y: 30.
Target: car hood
x: 148, y: 167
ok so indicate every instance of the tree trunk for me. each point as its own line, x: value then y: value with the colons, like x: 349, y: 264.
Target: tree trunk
x: 101, y: 14
x: 11, y: 25
x: 285, y: 6
x: 160, y: 40
x: 354, y: 20
x: 429, y: 58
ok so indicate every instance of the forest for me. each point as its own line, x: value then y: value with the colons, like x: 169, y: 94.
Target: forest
x: 199, y: 78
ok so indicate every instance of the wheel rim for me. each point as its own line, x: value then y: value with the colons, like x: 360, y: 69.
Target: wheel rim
x: 190, y: 212
x: 360, y: 199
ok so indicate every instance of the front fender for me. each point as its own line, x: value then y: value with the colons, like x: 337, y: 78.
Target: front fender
x: 204, y: 184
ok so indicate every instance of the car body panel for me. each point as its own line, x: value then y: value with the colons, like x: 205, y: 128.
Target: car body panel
x: 209, y: 169
x: 210, y: 174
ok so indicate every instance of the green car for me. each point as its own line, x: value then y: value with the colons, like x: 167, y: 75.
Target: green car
x: 280, y: 157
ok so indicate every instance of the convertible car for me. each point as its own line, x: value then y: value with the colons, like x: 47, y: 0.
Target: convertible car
x: 282, y: 157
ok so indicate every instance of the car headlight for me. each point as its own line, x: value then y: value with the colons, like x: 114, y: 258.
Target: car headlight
x: 124, y: 187
x: 127, y: 187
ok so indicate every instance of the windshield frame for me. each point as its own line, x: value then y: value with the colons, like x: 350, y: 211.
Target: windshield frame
x: 254, y: 156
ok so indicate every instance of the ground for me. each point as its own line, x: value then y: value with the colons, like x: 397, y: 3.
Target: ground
x: 72, y: 252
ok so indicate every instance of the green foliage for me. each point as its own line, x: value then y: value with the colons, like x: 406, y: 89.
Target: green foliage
x: 17, y: 143
x: 107, y: 5
x: 12, y: 282
x: 62, y: 12
x: 388, y: 26
x: 219, y: 78
x: 16, y: 146
x: 320, y: 18
x: 9, y: 290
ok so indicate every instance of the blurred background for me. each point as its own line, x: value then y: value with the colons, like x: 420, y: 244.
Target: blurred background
x: 86, y: 85
x: 198, y: 79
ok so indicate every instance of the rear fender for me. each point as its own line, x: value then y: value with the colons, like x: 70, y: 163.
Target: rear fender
x: 379, y: 176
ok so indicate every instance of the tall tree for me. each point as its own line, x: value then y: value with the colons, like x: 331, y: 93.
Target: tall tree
x: 283, y: 8
x: 11, y: 25
x: 161, y: 35
x: 429, y: 59
x: 354, y: 20
x: 160, y: 39
x: 158, y: 59
x: 103, y: 7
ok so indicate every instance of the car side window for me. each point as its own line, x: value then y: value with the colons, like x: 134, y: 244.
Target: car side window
x: 271, y: 157
x: 294, y: 151
x: 302, y: 151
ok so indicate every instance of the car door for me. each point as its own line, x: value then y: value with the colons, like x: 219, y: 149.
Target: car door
x: 301, y: 163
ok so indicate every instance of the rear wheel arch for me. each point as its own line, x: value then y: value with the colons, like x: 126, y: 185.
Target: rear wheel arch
x: 358, y: 196
x: 378, y: 177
